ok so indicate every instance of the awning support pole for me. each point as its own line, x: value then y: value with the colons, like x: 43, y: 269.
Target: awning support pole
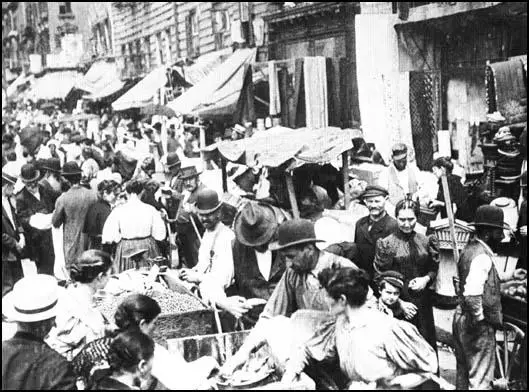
x: 292, y: 195
x: 202, y: 144
x: 345, y: 175
x: 224, y: 174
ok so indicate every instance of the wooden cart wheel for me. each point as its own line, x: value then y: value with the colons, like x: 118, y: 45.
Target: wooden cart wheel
x: 508, y: 343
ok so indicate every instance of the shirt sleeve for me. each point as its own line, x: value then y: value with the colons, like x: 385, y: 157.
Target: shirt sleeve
x: 477, y: 276
x: 111, y: 232
x: 158, y: 226
x: 281, y: 302
x: 407, y: 349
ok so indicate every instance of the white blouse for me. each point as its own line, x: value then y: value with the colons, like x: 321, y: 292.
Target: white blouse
x: 134, y: 219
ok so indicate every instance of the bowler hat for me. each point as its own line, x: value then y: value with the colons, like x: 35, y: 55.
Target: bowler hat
x: 52, y: 165
x: 393, y: 277
x: 172, y: 159
x: 189, y: 172
x: 374, y: 190
x: 255, y: 224
x: 34, y: 298
x: 29, y: 173
x: 399, y: 151
x: 491, y: 216
x: 294, y: 232
x: 71, y: 169
x: 207, y: 201
x: 9, y: 178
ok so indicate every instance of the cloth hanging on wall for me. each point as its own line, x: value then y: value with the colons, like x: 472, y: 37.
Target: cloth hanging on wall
x: 510, y: 90
x: 315, y: 79
x: 273, y: 83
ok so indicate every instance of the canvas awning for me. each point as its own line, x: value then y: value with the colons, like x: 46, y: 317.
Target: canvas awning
x: 99, y: 76
x: 203, y: 65
x: 111, y: 88
x: 142, y: 94
x: 279, y: 144
x: 54, y: 85
x: 220, y: 89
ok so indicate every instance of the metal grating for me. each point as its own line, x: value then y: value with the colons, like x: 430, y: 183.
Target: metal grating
x: 425, y: 109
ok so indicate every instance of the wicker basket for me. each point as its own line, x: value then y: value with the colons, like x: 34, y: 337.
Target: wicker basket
x: 445, y: 241
x: 180, y: 325
x: 442, y: 230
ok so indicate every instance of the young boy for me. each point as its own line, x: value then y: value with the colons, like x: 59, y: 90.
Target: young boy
x: 390, y: 284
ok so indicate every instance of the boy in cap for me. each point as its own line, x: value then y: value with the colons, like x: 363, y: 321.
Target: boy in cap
x: 399, y: 178
x: 390, y: 284
x: 479, y: 313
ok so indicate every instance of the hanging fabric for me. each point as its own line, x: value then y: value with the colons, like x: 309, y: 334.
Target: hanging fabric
x: 273, y: 83
x: 316, y: 104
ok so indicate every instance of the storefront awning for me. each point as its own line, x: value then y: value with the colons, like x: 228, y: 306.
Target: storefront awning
x: 142, y: 94
x: 54, y: 85
x: 111, y: 88
x: 220, y: 90
x: 203, y: 65
x: 100, y: 75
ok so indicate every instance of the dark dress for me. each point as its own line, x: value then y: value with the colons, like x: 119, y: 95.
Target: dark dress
x: 414, y: 256
x: 11, y: 265
x: 95, y: 220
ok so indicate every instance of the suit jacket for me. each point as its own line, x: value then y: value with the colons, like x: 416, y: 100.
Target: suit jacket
x: 366, y: 239
x: 27, y: 206
x: 10, y: 235
x: 30, y: 364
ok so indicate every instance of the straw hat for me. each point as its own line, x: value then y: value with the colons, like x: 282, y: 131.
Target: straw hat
x: 34, y: 298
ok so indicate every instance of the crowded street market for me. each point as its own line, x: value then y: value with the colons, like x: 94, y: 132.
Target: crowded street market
x: 281, y: 196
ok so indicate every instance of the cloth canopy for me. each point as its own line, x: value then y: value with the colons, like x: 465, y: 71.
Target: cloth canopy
x: 220, y: 89
x: 54, y: 85
x: 100, y: 74
x: 142, y: 94
x: 280, y: 144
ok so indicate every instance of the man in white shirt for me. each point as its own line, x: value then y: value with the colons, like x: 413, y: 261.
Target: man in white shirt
x: 215, y: 257
x: 479, y: 313
x: 400, y: 178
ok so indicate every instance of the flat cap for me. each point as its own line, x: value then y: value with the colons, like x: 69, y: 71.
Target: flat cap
x: 392, y: 277
x: 374, y: 190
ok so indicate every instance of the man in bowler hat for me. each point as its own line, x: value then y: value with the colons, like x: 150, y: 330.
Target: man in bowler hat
x: 479, y: 313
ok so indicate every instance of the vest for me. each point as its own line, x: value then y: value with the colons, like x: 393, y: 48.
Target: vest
x: 396, y: 192
x: 491, y: 292
x: 248, y: 279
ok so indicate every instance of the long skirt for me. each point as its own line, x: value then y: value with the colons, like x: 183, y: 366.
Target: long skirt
x: 126, y: 247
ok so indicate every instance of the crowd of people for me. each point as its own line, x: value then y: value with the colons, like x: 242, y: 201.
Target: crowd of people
x: 84, y: 210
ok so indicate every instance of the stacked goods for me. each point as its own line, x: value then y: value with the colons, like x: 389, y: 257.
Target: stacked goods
x: 169, y: 301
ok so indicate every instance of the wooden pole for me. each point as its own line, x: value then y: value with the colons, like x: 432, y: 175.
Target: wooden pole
x: 345, y: 174
x: 224, y: 174
x: 292, y: 195
x: 450, y: 213
x: 202, y: 144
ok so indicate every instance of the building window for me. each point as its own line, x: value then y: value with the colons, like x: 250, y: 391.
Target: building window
x: 147, y: 52
x: 65, y: 8
x: 167, y: 45
x: 192, y: 34
x: 221, y: 24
